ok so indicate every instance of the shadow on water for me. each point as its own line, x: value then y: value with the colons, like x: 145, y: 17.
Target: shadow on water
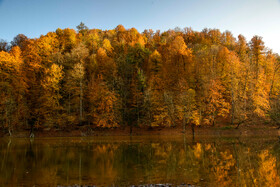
x: 127, y: 161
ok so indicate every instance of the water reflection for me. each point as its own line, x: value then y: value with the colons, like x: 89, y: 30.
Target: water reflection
x: 125, y: 161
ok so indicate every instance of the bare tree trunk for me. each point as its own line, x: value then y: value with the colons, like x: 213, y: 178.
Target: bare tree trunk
x: 8, y: 117
x: 31, y: 131
x: 232, y: 107
x: 193, y: 125
x: 69, y: 105
x: 170, y: 107
x: 239, y: 123
x: 80, y: 169
x: 10, y: 132
x: 246, y: 81
x: 184, y: 124
x: 81, y: 101
x: 138, y: 113
x: 150, y: 118
x: 213, y: 122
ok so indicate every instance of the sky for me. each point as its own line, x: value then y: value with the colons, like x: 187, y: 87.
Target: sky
x: 247, y: 17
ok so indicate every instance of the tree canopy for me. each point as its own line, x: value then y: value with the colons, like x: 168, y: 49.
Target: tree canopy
x: 120, y: 77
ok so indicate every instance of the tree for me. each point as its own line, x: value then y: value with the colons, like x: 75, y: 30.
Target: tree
x: 12, y: 89
x: 257, y: 46
x: 82, y: 28
x: 177, y: 64
x: 47, y: 46
x: 103, y: 103
x: 76, y: 90
x: 155, y: 63
x: 187, y: 109
x: 159, y: 110
x: 106, y: 66
x: 108, y: 78
x: 50, y: 99
x: 261, y: 97
x: 67, y: 39
x: 230, y: 73
x: 33, y: 71
x: 19, y: 40
x: 216, y: 105
x: 242, y: 50
x: 4, y: 46
x: 74, y: 83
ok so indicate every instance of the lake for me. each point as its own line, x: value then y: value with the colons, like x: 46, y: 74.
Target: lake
x: 140, y: 160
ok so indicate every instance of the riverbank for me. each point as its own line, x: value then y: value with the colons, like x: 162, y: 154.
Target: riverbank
x: 219, y: 130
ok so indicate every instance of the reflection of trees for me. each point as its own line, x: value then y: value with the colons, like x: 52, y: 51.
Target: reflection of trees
x: 214, y: 163
x: 222, y: 168
x: 267, y: 170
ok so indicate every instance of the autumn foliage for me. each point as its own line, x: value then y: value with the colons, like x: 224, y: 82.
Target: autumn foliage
x: 121, y: 77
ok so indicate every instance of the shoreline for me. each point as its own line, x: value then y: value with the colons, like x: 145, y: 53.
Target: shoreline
x: 86, y: 131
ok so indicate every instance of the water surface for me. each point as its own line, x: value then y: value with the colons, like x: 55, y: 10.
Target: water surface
x: 124, y: 161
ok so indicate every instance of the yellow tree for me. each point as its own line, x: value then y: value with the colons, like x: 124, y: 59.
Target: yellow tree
x: 49, y: 101
x: 13, y: 88
x: 242, y: 50
x: 103, y: 103
x: 260, y: 97
x: 158, y: 110
x: 155, y: 63
x: 257, y: 47
x: 75, y: 87
x: 74, y: 82
x: 67, y: 39
x: 177, y: 59
x: 216, y: 105
x: 187, y: 109
x: 47, y: 45
x: 106, y: 65
x: 274, y: 89
x: 153, y: 93
x: 33, y: 71
x: 230, y: 72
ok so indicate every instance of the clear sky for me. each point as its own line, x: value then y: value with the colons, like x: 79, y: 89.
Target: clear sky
x: 247, y: 17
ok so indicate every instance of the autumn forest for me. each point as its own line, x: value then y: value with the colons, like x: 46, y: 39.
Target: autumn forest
x: 123, y: 78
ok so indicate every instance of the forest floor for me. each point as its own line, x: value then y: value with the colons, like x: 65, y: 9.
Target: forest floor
x: 217, y: 130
